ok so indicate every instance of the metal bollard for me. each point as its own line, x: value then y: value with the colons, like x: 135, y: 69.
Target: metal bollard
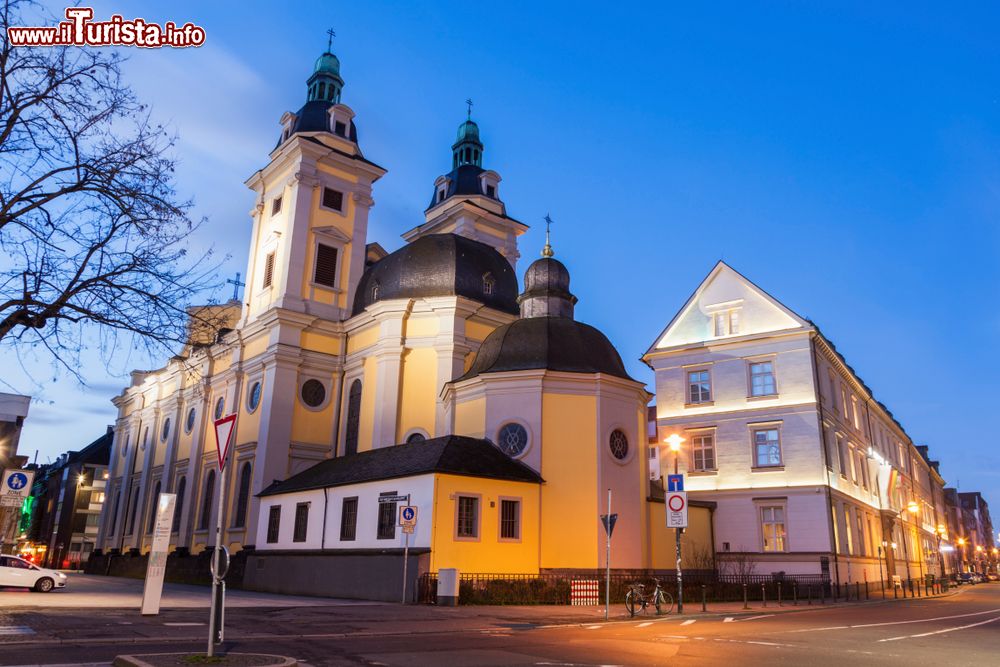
x: 763, y: 595
x: 857, y: 591
x: 779, y: 593
x: 809, y: 594
x: 745, y: 605
x: 704, y: 599
x: 868, y: 593
x: 795, y: 593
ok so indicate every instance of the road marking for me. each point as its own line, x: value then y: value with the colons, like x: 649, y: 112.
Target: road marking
x: 593, y: 627
x: 752, y: 618
x: 876, y: 625
x: 183, y: 625
x: 644, y: 625
x: 15, y: 630
x: 728, y: 619
x: 688, y: 622
x: 939, y: 632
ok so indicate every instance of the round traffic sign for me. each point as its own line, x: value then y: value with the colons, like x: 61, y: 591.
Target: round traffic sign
x: 675, y: 503
x: 408, y: 513
x: 17, y: 481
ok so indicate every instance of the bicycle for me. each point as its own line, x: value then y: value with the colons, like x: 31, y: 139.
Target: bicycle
x: 638, y: 598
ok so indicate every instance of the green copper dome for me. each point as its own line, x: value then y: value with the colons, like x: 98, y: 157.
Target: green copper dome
x: 327, y: 63
x: 468, y: 131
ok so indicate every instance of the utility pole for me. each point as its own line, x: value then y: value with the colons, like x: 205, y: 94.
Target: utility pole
x: 607, y: 562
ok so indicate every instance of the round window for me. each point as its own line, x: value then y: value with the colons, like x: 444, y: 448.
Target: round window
x: 313, y: 393
x: 618, y: 444
x: 166, y: 429
x: 253, y: 397
x: 415, y: 437
x: 513, y: 439
x: 189, y: 424
x: 220, y: 405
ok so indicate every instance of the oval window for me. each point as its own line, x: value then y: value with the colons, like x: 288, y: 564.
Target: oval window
x: 313, y: 393
x: 166, y: 429
x: 512, y: 439
x: 253, y: 396
x: 220, y: 405
x: 189, y: 423
x: 618, y: 443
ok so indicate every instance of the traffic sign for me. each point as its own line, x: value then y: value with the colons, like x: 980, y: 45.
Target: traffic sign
x: 393, y: 499
x: 675, y: 482
x: 676, y: 510
x: 408, y: 530
x: 15, y: 486
x: 407, y: 516
x: 224, y: 429
x: 609, y: 522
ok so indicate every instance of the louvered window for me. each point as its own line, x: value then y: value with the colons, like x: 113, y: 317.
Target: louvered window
x: 268, y: 269
x: 333, y: 199
x: 326, y: 265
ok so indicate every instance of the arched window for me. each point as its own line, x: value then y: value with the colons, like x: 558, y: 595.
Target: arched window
x: 179, y: 507
x: 206, y: 501
x: 415, y: 437
x: 353, y: 418
x: 488, y: 284
x: 132, y: 510
x: 322, y: 90
x: 243, y: 496
x: 153, y: 501
x: 375, y: 292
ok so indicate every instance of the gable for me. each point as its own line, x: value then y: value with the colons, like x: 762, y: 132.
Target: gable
x: 723, y: 291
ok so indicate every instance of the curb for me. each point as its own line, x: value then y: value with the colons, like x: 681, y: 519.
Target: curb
x: 137, y: 660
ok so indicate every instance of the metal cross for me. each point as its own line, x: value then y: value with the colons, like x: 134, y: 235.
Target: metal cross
x: 548, y: 221
x: 329, y: 40
x: 236, y: 286
x: 469, y: 113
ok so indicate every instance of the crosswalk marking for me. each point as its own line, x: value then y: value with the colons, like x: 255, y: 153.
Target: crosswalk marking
x: 728, y: 619
x: 593, y: 627
x: 644, y: 625
x: 688, y: 622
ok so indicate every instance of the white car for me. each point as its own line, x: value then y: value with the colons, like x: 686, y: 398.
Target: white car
x: 16, y: 571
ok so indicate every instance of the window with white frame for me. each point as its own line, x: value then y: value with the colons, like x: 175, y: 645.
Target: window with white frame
x: 772, y: 525
x: 861, y: 532
x: 842, y: 455
x: 726, y: 322
x: 703, y: 451
x: 856, y: 412
x: 844, y: 405
x: 762, y: 379
x: 766, y: 447
x: 467, y: 518
x: 699, y: 387
x: 325, y: 272
x: 510, y: 519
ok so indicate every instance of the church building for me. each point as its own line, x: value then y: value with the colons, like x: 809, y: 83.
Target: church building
x: 357, y: 374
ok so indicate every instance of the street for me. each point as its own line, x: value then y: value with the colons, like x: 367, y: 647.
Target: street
x: 959, y: 629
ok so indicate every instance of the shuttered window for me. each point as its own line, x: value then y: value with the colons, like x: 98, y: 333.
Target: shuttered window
x: 268, y: 269
x: 326, y: 265
x: 333, y: 199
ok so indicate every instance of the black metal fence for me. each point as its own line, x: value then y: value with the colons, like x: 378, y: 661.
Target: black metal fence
x: 700, y: 588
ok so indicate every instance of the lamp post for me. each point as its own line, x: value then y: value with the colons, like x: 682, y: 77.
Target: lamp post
x: 979, y: 558
x: 913, y: 508
x: 939, y: 534
x: 674, y: 442
x: 961, y: 558
x: 881, y: 554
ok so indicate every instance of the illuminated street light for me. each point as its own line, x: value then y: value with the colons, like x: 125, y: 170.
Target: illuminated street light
x: 674, y: 441
x: 913, y: 507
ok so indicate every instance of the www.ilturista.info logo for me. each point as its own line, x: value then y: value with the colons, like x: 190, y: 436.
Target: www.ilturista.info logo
x: 80, y: 30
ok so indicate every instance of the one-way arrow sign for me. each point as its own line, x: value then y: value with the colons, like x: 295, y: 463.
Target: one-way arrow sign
x: 609, y: 522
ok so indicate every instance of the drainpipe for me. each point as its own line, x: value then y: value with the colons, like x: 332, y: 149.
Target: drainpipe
x: 326, y: 502
x: 826, y: 482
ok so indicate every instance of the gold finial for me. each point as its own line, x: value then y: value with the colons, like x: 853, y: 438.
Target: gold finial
x: 547, y: 250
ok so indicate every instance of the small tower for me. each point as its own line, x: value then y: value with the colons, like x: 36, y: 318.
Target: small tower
x: 467, y: 149
x: 546, y: 286
x: 325, y: 83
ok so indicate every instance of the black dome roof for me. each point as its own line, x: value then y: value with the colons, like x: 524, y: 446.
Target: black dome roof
x: 554, y: 343
x: 313, y: 117
x: 440, y: 265
x: 462, y: 180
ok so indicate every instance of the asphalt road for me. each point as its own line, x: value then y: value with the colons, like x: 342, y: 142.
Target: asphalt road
x: 963, y: 629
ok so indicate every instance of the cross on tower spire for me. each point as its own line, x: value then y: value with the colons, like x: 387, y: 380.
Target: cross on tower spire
x: 469, y: 111
x: 547, y: 250
x: 236, y: 286
x: 329, y: 39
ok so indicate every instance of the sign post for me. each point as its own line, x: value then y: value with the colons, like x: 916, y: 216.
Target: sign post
x: 152, y: 590
x: 408, y: 520
x: 608, y: 520
x: 225, y: 428
x: 677, y: 518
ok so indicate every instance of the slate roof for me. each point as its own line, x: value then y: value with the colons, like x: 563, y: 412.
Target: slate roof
x: 440, y: 265
x: 462, y: 180
x: 451, y: 454
x: 553, y: 343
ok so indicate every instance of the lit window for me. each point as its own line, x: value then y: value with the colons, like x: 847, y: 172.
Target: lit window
x: 772, y: 521
x: 767, y: 447
x: 762, y: 379
x: 699, y: 387
x: 703, y: 451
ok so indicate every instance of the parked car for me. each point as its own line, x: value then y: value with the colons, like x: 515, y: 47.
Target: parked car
x: 992, y: 577
x: 16, y: 571
x: 967, y: 578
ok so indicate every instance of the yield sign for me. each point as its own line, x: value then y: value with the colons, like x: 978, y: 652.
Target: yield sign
x: 609, y: 523
x: 224, y: 429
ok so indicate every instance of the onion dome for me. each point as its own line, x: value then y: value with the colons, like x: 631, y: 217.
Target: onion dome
x: 440, y: 265
x: 328, y: 64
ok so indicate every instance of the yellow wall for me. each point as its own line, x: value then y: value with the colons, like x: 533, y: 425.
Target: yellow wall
x: 255, y: 347
x: 477, y: 330
x: 569, y: 495
x: 470, y: 418
x: 488, y: 553
x: 311, y: 425
x: 248, y: 424
x: 418, y: 392
x: 662, y: 542
x: 362, y: 339
x: 320, y: 343
x: 422, y: 327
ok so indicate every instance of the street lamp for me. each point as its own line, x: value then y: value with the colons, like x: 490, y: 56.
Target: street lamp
x: 674, y: 442
x: 961, y: 562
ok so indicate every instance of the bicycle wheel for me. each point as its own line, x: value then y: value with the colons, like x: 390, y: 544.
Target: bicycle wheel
x: 630, y: 603
x: 664, y: 602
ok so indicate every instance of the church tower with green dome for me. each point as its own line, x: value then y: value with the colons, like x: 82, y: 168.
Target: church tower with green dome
x: 325, y: 83
x: 467, y: 149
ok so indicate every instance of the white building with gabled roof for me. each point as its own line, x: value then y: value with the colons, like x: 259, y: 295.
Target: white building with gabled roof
x: 811, y: 474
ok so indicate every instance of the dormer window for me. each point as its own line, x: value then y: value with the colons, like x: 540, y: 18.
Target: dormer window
x: 375, y: 292
x: 340, y: 128
x: 726, y: 322
x: 491, y: 191
x: 488, y: 284
x: 441, y: 194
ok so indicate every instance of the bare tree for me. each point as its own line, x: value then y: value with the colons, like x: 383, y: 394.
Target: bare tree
x: 92, y: 232
x: 738, y: 563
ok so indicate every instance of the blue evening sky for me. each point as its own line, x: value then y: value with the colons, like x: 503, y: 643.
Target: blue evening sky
x: 847, y: 160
